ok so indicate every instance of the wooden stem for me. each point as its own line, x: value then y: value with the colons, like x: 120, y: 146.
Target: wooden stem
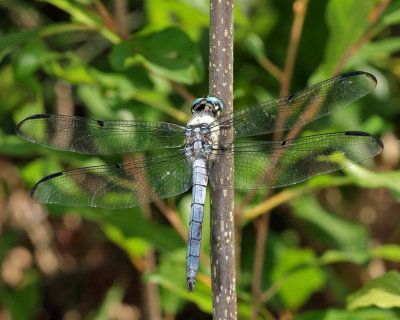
x: 222, y: 216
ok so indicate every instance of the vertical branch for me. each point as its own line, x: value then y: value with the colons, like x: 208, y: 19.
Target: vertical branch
x: 300, y: 9
x: 222, y: 217
x: 120, y: 17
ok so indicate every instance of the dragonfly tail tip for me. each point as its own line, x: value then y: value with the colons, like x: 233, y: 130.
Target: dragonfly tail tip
x: 190, y: 285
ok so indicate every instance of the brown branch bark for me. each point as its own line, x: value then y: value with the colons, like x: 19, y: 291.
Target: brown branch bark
x: 222, y: 217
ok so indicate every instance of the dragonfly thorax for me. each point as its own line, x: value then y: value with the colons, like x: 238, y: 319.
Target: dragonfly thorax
x: 199, y: 140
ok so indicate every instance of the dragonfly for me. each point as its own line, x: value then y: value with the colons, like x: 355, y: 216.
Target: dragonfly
x: 189, y: 161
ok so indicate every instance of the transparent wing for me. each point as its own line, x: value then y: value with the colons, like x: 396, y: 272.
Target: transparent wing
x: 91, y: 136
x: 274, y: 164
x: 115, y: 186
x: 299, y: 108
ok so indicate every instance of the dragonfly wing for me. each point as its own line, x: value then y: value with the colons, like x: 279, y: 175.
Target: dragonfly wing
x: 299, y: 108
x: 274, y: 164
x: 91, y: 136
x: 115, y: 186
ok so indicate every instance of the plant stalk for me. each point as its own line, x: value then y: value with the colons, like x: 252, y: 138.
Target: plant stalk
x: 222, y: 215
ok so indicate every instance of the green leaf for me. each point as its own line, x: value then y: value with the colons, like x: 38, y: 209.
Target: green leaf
x: 330, y: 229
x: 81, y: 14
x: 157, y: 101
x: 201, y: 296
x: 173, y: 268
x: 11, y: 40
x: 133, y: 224
x: 333, y: 256
x: 297, y: 271
x: 134, y: 246
x: 78, y: 12
x: 369, y: 179
x: 191, y: 16
x: 374, y: 51
x: 71, y: 69
x: 347, y: 22
x: 31, y: 57
x: 383, y: 292
x: 336, y: 314
x: 177, y: 60
x: 389, y: 252
x: 390, y: 16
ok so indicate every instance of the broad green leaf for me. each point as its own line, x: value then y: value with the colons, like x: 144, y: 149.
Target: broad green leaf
x: 12, y: 93
x: 71, y: 69
x: 333, y: 256
x: 14, y: 146
x: 9, y: 41
x: 31, y: 57
x: 201, y: 296
x: 329, y: 229
x: 95, y: 101
x: 177, y: 60
x: 254, y: 45
x: 389, y: 252
x: 383, y: 292
x: 292, y: 268
x: 158, y: 101
x: 135, y: 247
x: 390, y: 16
x: 77, y: 12
x: 336, y: 314
x: 86, y: 17
x: 191, y: 16
x: 132, y: 224
x: 172, y: 267
x: 374, y: 51
x: 347, y: 22
x: 369, y: 179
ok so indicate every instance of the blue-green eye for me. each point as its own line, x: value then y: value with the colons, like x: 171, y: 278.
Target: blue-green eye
x: 215, y: 101
x: 196, y: 101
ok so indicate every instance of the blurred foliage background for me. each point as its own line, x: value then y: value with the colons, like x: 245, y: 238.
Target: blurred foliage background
x: 324, y: 249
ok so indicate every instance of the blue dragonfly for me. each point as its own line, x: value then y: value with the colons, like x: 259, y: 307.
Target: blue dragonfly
x: 189, y: 164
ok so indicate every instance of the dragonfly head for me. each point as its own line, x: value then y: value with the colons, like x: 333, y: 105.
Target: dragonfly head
x: 207, y: 104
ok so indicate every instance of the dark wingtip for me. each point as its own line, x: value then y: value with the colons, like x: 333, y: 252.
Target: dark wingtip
x: 43, y: 180
x: 361, y: 133
x: 357, y: 73
x: 35, y: 116
x: 190, y: 285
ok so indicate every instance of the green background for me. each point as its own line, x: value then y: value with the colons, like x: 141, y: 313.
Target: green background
x: 332, y: 244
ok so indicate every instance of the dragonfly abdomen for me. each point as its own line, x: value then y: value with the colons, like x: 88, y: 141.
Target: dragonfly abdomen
x: 200, y: 180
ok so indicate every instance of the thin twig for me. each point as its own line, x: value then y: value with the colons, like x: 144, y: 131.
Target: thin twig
x: 105, y: 14
x: 182, y: 91
x: 270, y: 67
x: 120, y: 18
x: 299, y: 9
x: 222, y: 217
